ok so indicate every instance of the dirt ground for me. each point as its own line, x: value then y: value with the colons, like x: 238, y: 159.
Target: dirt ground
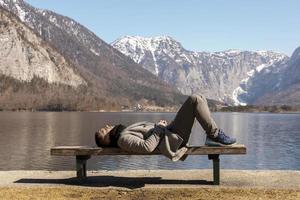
x: 150, y: 184
x: 68, y: 193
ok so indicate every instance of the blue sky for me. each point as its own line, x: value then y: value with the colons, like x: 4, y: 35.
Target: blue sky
x: 211, y: 25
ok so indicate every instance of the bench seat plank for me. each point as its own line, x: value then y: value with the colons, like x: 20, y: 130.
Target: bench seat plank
x: 87, y: 150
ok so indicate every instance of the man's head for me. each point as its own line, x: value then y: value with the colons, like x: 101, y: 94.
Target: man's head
x: 102, y: 136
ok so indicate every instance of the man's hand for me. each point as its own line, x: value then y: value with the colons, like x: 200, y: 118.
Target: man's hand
x: 162, y: 122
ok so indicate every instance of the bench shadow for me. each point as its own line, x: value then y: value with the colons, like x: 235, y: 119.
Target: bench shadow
x: 105, y: 181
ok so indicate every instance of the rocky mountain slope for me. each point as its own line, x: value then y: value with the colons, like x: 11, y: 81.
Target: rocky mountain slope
x: 109, y: 74
x: 24, y: 56
x: 33, y: 74
x: 283, y: 83
x: 220, y: 75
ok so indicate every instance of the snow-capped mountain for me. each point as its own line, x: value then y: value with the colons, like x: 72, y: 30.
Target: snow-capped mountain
x: 282, y: 83
x: 260, y: 82
x: 109, y: 73
x: 221, y: 75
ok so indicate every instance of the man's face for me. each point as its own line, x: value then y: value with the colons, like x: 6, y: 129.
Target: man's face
x: 104, y: 132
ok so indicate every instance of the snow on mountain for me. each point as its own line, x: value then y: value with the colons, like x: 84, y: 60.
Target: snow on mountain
x: 218, y: 75
x: 264, y: 78
x: 129, y: 46
x: 16, y: 4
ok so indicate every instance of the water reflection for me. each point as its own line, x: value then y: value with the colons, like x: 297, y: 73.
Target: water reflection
x: 273, y: 140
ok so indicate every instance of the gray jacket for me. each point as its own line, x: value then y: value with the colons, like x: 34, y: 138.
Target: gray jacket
x: 145, y: 137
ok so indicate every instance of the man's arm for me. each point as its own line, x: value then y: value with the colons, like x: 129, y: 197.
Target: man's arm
x: 132, y: 143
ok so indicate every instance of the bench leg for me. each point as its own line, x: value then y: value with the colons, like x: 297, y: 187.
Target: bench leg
x: 81, y: 166
x: 216, y: 167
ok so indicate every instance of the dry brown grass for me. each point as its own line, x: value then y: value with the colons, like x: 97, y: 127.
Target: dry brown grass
x: 32, y: 193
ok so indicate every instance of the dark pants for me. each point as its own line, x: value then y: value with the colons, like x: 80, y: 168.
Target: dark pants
x: 194, y: 107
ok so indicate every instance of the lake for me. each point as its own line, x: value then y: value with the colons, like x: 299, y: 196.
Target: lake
x: 272, y: 140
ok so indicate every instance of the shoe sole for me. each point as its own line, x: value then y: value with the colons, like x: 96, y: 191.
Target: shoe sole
x: 216, y: 144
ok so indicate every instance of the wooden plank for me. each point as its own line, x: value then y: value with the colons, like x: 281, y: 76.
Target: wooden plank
x: 86, y: 150
x: 75, y: 150
x: 206, y: 150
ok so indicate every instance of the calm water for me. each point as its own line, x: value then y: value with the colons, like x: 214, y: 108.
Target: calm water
x: 273, y: 140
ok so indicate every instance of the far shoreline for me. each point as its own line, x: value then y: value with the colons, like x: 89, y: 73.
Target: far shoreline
x: 127, y: 111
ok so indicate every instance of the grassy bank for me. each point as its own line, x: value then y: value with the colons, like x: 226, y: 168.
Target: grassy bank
x: 32, y: 193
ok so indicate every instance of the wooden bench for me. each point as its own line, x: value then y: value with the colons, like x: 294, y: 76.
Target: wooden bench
x: 83, y: 153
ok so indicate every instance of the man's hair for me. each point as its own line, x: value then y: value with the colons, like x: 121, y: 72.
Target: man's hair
x: 99, y: 138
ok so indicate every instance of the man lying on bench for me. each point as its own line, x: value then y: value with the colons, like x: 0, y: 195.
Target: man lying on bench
x: 170, y: 140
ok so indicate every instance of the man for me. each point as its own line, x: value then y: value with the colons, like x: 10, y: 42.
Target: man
x: 169, y: 139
